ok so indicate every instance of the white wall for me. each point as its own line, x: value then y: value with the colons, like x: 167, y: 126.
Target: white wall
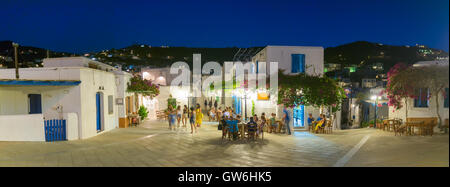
x: 122, y: 80
x: 71, y: 126
x: 22, y: 127
x: 314, y: 61
x: 14, y: 100
x: 73, y: 99
x: 314, y: 57
x: 91, y: 82
x: 430, y: 111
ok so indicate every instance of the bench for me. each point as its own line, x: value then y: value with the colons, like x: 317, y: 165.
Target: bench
x: 428, y: 124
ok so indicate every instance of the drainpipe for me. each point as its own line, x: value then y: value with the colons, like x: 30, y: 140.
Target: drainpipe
x: 16, y: 45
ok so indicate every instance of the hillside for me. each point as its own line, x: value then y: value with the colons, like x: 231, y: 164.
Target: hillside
x: 362, y: 53
x: 27, y: 56
x: 161, y: 56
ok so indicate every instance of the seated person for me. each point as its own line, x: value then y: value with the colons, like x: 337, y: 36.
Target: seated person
x: 320, y: 122
x: 273, y: 123
x: 233, y: 127
x: 252, y: 127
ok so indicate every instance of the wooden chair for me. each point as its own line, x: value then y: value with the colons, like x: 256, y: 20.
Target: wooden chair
x: 281, y: 128
x: 261, y: 130
x: 321, y: 129
x: 224, y: 130
x: 328, y: 127
x: 251, y: 132
x: 134, y: 120
x: 161, y: 115
x: 311, y: 128
x: 399, y: 128
x: 445, y: 126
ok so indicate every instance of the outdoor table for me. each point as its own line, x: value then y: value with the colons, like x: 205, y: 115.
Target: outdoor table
x: 415, y: 124
x: 390, y: 124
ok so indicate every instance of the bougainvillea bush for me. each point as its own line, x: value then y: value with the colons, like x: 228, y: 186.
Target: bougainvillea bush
x: 144, y: 87
x: 400, y: 86
x: 309, y: 90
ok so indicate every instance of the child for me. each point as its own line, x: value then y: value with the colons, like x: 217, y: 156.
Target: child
x: 192, y: 120
x: 273, y: 123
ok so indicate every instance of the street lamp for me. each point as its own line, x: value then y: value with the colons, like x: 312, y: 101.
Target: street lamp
x: 375, y: 99
x: 16, y: 45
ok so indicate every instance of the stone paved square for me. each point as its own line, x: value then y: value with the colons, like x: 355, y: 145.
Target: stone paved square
x: 153, y: 144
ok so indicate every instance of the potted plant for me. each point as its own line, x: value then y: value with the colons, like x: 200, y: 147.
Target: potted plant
x: 143, y: 113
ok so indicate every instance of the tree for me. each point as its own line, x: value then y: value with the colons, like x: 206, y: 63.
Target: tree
x: 144, y: 87
x: 400, y: 86
x: 436, y: 80
x: 403, y: 81
x: 309, y: 90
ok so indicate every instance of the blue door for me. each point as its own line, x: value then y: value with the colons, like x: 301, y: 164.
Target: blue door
x: 299, y: 116
x: 99, y: 114
x: 35, y: 104
x: 237, y: 104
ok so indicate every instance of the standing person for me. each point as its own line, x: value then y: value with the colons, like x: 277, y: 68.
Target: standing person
x: 199, y: 116
x: 218, y: 114
x: 215, y: 104
x: 286, y: 119
x: 206, y: 106
x: 262, y: 124
x: 226, y: 113
x: 210, y: 104
x: 171, y: 115
x: 212, y: 114
x: 179, y: 114
x: 192, y: 120
x: 185, y: 115
x: 310, y: 121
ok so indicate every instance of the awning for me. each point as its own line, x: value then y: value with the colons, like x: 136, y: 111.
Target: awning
x: 39, y: 83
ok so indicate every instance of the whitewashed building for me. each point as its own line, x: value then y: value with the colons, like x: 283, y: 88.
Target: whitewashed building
x: 65, y: 88
x: 293, y: 60
x: 422, y: 107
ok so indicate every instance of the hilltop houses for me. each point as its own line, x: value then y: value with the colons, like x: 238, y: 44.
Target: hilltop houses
x: 87, y: 95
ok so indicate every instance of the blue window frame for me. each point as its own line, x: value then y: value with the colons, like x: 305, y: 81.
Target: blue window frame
x: 446, y: 98
x: 35, y: 103
x: 237, y: 101
x: 298, y: 63
x: 422, y: 98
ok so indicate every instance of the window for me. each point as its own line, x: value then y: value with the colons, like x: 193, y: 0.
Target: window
x: 257, y: 67
x: 422, y: 98
x: 34, y: 104
x: 446, y: 98
x: 128, y: 104
x: 110, y: 104
x: 298, y: 63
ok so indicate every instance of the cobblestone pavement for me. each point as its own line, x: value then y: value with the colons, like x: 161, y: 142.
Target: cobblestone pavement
x: 153, y: 144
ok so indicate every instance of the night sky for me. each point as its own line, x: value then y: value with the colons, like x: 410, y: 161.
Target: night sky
x: 81, y: 26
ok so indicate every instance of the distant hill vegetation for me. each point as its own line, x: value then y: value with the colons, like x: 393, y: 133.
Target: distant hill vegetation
x: 359, y: 53
x: 364, y: 53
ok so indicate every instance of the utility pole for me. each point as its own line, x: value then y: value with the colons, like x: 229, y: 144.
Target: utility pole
x: 16, y: 45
